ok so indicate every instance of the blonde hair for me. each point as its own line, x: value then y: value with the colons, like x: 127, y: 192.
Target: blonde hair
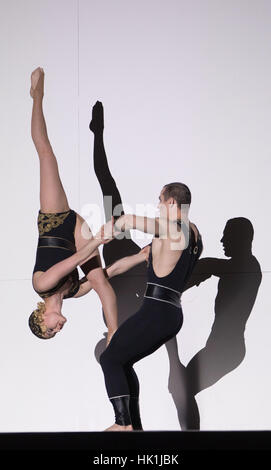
x: 36, y: 322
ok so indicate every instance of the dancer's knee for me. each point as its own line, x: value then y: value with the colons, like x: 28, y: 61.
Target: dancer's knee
x: 109, y: 360
x: 105, y: 359
x: 98, y: 280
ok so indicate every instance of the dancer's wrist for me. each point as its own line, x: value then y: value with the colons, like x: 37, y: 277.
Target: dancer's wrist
x: 121, y: 223
x: 106, y: 232
x: 100, y: 239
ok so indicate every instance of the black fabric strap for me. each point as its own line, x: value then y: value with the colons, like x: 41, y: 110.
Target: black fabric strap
x: 57, y: 242
x: 163, y: 293
x: 92, y: 263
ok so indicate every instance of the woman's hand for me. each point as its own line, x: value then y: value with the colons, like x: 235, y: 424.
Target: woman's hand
x: 107, y: 232
x: 121, y: 223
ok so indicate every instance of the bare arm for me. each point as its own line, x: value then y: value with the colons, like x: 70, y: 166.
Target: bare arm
x: 120, y: 266
x: 127, y: 262
x: 52, y: 276
x: 157, y: 226
x: 84, y: 289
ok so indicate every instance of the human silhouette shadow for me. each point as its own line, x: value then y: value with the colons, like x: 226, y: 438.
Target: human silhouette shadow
x: 239, y: 280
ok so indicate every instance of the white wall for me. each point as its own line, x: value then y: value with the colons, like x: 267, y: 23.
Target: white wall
x: 186, y: 92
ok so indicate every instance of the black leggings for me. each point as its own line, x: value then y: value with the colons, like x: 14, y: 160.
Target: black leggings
x: 140, y: 335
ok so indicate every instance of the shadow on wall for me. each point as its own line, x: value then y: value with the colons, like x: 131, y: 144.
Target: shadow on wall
x: 239, y: 280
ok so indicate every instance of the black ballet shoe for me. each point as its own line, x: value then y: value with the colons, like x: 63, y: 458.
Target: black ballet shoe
x: 121, y: 409
x: 135, y: 414
x: 96, y: 124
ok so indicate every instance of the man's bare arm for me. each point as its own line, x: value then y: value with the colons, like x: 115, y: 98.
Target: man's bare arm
x: 127, y: 262
x: 118, y: 267
x: 158, y: 226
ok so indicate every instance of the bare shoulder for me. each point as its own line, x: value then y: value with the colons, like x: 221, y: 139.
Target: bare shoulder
x: 195, y: 230
x: 35, y: 276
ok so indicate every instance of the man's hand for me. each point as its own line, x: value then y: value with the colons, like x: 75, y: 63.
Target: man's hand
x: 146, y: 252
x: 121, y: 224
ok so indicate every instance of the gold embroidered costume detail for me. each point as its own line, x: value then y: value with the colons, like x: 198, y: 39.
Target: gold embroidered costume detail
x: 48, y: 221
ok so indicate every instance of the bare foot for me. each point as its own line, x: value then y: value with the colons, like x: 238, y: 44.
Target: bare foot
x: 97, y: 122
x: 117, y: 427
x: 37, y: 83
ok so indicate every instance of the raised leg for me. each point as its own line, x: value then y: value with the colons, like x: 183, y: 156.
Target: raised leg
x: 52, y: 194
x: 101, y: 168
x: 114, y: 250
x: 82, y: 234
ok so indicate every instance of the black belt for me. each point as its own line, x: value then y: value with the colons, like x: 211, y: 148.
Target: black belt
x: 163, y: 293
x: 57, y: 242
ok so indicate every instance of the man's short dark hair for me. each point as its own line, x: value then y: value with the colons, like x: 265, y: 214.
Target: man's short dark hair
x: 179, y: 191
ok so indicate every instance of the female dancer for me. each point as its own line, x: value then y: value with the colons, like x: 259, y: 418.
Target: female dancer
x: 62, y: 245
x: 160, y: 316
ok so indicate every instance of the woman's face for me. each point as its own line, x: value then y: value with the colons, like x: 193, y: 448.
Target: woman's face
x: 54, y: 322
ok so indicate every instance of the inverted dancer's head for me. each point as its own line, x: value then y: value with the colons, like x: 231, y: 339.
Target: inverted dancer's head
x: 45, y: 324
x: 174, y: 201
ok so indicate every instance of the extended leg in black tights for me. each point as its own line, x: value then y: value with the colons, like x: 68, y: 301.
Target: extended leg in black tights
x: 101, y: 168
x: 134, y: 396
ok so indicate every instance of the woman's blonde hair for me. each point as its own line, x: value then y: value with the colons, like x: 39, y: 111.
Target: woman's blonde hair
x: 36, y: 322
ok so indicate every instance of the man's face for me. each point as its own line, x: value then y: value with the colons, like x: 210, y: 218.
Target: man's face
x: 168, y: 208
x: 161, y: 204
x: 164, y: 206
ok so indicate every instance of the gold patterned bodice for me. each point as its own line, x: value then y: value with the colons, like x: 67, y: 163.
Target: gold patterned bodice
x: 50, y: 220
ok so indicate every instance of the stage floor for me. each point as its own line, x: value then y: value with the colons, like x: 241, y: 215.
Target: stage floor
x: 127, y: 450
x: 135, y: 440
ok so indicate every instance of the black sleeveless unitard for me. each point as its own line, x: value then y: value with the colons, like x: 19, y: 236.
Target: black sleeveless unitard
x: 150, y: 327
x: 56, y: 242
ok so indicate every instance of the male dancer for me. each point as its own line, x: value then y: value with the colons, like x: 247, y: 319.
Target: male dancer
x: 172, y: 257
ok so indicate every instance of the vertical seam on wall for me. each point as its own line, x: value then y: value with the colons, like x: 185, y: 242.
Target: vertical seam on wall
x: 78, y: 121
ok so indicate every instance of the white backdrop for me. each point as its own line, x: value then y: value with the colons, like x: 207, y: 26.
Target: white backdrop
x: 186, y: 93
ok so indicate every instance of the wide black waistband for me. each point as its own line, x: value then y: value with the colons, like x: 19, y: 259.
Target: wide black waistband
x: 163, y: 293
x: 57, y: 242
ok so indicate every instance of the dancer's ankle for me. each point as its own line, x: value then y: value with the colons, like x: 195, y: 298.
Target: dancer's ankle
x: 37, y: 97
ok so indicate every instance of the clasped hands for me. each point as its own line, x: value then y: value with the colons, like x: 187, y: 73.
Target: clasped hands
x: 110, y: 230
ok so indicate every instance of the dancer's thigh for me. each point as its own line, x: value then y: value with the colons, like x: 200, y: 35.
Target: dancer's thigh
x: 142, y: 333
x: 52, y: 194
